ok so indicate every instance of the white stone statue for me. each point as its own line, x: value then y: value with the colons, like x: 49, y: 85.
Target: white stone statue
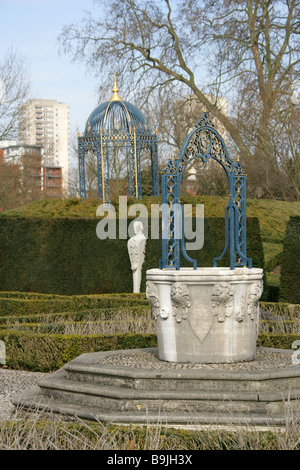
x: 136, y: 249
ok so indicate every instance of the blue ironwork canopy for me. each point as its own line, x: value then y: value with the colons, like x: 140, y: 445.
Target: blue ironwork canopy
x: 117, y: 124
x: 116, y: 116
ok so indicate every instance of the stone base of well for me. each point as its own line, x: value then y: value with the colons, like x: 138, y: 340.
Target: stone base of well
x: 208, y: 315
x: 135, y: 387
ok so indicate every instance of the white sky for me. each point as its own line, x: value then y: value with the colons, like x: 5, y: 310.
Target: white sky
x: 32, y: 27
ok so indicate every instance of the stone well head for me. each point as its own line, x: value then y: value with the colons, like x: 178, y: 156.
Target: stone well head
x: 205, y: 314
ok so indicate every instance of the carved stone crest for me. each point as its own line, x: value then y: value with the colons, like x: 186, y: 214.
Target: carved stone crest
x: 222, y: 301
x: 180, y: 298
x: 201, y: 321
x: 152, y: 295
x: 199, y: 317
x: 255, y: 292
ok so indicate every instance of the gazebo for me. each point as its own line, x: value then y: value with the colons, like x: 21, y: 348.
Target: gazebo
x: 117, y: 124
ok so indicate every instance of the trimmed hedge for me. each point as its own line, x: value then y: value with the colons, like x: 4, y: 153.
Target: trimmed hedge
x: 64, y: 256
x: 36, y: 351
x: 276, y: 340
x: 46, y: 352
x: 49, y: 352
x: 19, y: 306
x: 290, y: 265
x: 77, y: 316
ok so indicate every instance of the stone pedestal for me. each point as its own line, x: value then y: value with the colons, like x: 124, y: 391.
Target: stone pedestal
x: 206, y: 315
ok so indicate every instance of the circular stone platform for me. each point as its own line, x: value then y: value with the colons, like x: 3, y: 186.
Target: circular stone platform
x: 134, y: 386
x: 266, y: 359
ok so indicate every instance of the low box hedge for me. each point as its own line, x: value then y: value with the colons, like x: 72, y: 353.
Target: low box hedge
x: 276, y: 340
x: 33, y: 306
x: 48, y: 352
x: 81, y: 315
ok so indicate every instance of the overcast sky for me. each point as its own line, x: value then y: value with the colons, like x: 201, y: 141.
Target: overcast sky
x: 32, y: 28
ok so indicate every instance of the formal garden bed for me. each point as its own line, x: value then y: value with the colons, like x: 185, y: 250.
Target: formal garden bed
x: 43, y: 339
x: 42, y: 332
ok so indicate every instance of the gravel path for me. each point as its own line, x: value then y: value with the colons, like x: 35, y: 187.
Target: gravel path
x: 14, y: 382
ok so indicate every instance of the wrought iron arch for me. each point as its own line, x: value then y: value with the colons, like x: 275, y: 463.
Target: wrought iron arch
x: 203, y: 142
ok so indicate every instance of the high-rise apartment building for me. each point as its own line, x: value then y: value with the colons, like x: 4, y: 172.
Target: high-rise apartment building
x: 46, y: 123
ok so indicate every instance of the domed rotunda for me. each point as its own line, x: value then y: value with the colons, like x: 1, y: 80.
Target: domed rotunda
x: 117, y: 127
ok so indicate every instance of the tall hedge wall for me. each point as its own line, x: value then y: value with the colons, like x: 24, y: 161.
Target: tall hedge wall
x: 290, y: 265
x: 64, y: 255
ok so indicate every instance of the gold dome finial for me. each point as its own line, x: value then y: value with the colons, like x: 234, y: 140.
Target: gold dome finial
x: 115, y: 96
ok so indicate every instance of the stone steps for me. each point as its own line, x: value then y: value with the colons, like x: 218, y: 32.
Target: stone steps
x: 31, y: 401
x: 97, y: 393
x: 170, y: 380
x: 86, y: 388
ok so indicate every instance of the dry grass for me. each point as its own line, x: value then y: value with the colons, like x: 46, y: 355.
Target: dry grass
x: 38, y: 431
x: 280, y: 326
x: 121, y: 322
x: 126, y: 322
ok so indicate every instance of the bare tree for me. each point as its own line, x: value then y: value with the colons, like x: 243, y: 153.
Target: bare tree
x: 216, y: 47
x: 31, y: 168
x: 20, y: 181
x: 285, y: 145
x: 10, y: 181
x: 274, y: 171
x: 15, y: 88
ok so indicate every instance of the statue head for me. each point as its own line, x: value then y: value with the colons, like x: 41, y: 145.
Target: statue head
x: 138, y: 227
